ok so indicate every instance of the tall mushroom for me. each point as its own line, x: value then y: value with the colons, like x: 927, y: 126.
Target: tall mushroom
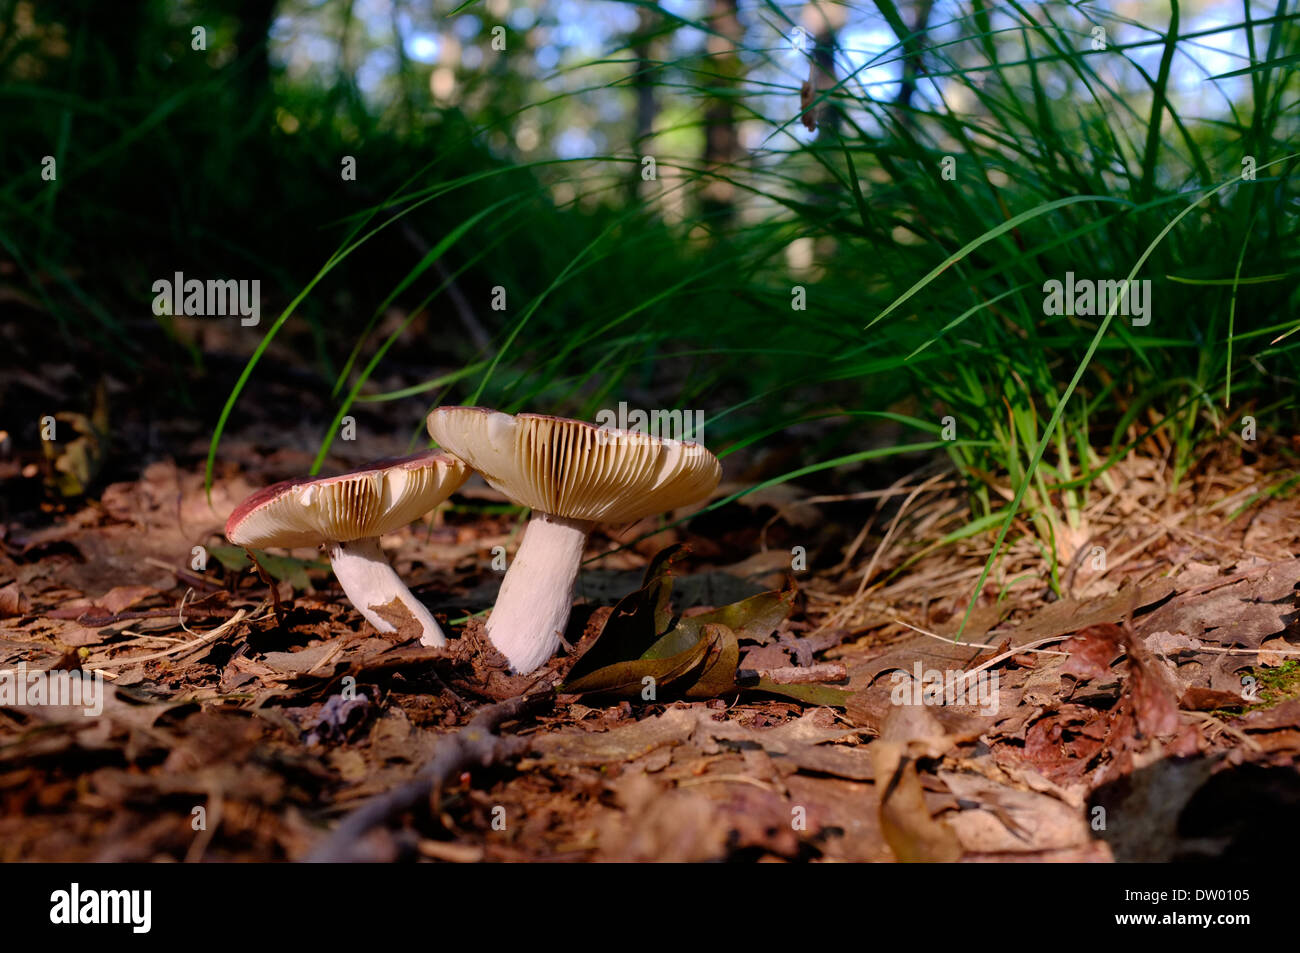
x: 573, y: 475
x: 348, y: 513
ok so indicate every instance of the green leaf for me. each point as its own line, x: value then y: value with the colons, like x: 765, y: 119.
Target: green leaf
x: 719, y: 674
x: 661, y: 563
x: 671, y: 643
x: 634, y: 645
x: 753, y: 619
x: 658, y: 576
x: 808, y: 694
x: 1294, y: 58
x: 281, y: 568
x: 232, y: 558
x: 637, y: 621
x: 627, y: 679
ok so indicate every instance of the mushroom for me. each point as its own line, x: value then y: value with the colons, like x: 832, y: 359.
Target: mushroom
x: 573, y: 475
x: 349, y: 513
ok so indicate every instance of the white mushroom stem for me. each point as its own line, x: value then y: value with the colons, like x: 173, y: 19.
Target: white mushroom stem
x: 532, y: 609
x: 368, y: 581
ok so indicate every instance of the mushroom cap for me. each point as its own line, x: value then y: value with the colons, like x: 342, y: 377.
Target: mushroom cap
x: 573, y: 469
x: 376, y: 499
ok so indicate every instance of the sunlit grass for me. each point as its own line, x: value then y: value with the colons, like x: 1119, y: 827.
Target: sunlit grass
x: 930, y: 232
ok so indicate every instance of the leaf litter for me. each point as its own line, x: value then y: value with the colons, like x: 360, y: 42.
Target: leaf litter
x: 294, y: 735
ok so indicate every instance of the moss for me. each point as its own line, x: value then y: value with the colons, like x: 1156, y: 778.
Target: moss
x: 1272, y: 686
x: 1278, y: 684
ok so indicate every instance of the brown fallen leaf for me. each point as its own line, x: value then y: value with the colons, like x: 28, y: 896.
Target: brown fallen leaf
x: 123, y: 597
x: 1199, y: 675
x: 661, y: 824
x: 798, y: 745
x: 1239, y: 610
x: 1149, y: 689
x: 1000, y: 818
x: 1059, y: 618
x: 12, y: 601
x: 932, y: 653
x: 1196, y: 698
x: 75, y: 635
x: 1062, y: 744
x: 1071, y: 615
x: 1282, y: 716
x: 581, y: 747
x: 1092, y: 650
x: 912, y: 834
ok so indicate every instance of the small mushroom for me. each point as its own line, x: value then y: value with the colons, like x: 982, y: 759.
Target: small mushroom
x: 573, y: 475
x: 348, y: 513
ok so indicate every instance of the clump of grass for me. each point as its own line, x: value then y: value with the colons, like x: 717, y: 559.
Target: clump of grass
x: 929, y: 230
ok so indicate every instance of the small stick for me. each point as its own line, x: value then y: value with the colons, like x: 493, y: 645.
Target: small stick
x: 275, y: 592
x: 183, y: 646
x: 998, y: 659
x: 981, y: 645
x: 802, y: 674
x: 734, y: 778
x: 451, y: 852
x: 1237, y: 733
x: 473, y: 744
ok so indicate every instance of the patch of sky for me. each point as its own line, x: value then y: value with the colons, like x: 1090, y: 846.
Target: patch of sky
x: 423, y: 47
x: 575, y: 143
x: 467, y: 26
x: 378, y: 66
x: 547, y: 58
x: 868, y: 61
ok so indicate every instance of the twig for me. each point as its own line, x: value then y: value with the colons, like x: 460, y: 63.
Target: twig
x: 1028, y: 647
x: 1217, y: 650
x: 451, y: 852
x: 202, y: 637
x: 734, y: 778
x: 981, y: 645
x: 473, y: 744
x: 893, y: 527
x: 804, y: 674
x: 270, y: 584
x: 1237, y: 733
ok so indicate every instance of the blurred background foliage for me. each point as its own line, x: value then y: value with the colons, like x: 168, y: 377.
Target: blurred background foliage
x: 655, y: 188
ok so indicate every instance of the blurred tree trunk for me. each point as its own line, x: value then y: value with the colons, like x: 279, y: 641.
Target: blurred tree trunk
x: 118, y: 29
x: 405, y: 78
x: 643, y: 81
x: 255, y: 19
x: 346, y: 88
x: 721, y: 137
x: 913, y: 41
x: 821, y: 21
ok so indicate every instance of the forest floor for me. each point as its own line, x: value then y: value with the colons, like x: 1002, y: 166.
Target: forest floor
x: 1150, y: 711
